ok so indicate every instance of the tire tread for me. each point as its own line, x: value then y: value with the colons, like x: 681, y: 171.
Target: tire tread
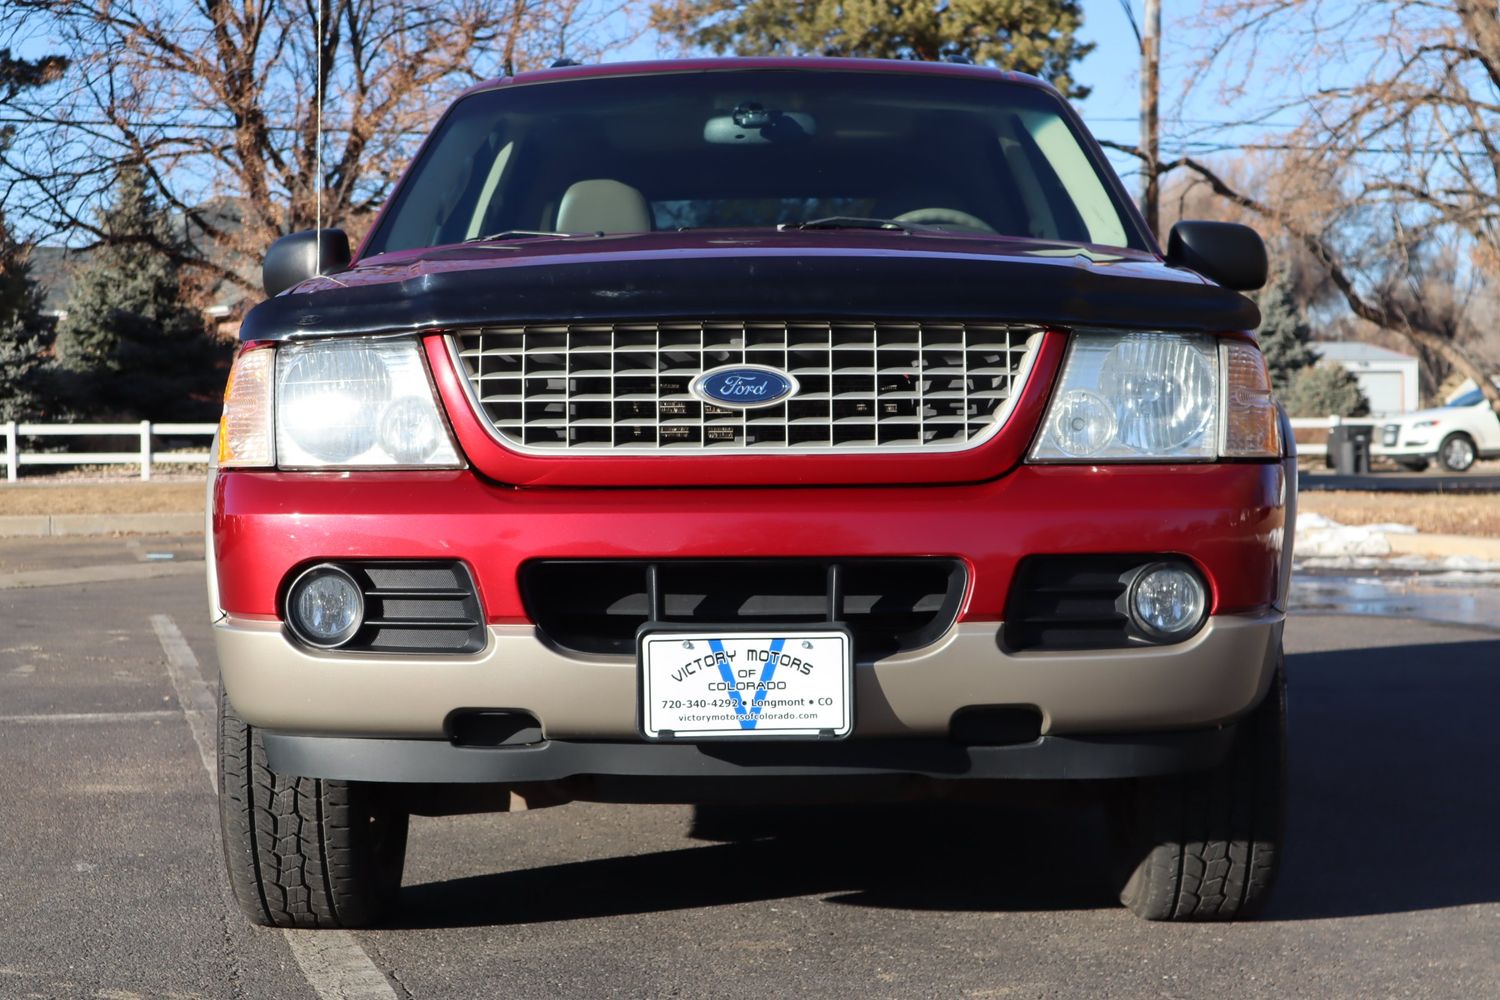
x: 1205, y: 846
x: 294, y: 855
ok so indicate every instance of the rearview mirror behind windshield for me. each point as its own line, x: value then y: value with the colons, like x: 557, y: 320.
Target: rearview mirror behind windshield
x: 753, y: 124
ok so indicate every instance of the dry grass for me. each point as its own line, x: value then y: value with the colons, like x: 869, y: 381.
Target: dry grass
x: 182, y: 496
x: 1443, y: 513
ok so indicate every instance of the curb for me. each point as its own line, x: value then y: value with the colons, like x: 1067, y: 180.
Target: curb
x: 51, y: 525
x: 99, y: 574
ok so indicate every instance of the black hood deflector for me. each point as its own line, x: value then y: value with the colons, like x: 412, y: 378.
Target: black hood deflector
x: 1056, y: 290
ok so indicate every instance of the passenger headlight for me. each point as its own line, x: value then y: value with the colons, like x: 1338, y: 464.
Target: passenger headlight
x: 1153, y: 397
x: 357, y: 404
x: 1134, y: 397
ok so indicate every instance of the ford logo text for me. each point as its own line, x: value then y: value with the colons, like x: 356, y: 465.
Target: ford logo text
x: 743, y: 387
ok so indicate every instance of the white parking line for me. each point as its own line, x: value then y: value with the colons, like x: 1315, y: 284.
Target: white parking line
x: 332, y: 962
x: 336, y: 967
x: 43, y: 717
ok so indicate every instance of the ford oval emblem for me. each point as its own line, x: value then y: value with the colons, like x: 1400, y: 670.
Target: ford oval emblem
x: 743, y: 387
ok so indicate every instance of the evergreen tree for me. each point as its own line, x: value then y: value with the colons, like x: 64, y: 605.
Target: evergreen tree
x: 132, y: 346
x: 1284, y: 333
x: 1032, y: 36
x: 22, y: 328
x: 1324, y: 390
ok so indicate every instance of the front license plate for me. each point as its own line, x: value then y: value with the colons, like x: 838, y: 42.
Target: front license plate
x: 746, y: 685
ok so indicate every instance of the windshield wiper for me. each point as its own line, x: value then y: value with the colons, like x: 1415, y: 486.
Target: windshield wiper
x: 845, y: 222
x: 511, y: 234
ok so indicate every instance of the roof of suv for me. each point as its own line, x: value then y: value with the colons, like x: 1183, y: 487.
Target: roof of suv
x: 819, y: 63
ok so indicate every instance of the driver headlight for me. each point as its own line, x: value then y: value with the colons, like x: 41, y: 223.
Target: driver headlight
x: 357, y: 404
x: 1126, y: 396
x: 333, y: 404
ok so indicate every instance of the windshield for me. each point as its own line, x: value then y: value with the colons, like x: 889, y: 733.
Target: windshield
x: 1468, y: 399
x: 755, y: 148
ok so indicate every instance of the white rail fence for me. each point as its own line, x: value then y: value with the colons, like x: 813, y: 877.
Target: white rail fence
x: 145, y: 454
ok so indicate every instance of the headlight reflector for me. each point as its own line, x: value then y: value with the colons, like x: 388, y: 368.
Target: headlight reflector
x: 357, y: 404
x: 1128, y: 396
x: 1082, y: 422
x: 1164, y: 392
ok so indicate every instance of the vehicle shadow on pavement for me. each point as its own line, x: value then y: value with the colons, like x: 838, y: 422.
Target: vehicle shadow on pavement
x: 1392, y: 809
x: 922, y: 857
x: 1394, y: 753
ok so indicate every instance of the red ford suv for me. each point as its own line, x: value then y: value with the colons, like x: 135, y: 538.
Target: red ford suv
x: 738, y: 431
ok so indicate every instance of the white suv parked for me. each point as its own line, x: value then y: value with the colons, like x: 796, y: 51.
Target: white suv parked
x: 1457, y: 434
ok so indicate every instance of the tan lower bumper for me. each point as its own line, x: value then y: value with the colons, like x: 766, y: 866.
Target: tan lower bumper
x: 1217, y: 675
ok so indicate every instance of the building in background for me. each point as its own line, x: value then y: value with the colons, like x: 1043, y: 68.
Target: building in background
x: 1389, y: 379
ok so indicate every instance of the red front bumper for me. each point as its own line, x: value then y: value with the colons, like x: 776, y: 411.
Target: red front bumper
x: 1227, y: 518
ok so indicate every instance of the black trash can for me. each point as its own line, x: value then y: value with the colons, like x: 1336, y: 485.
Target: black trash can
x: 1349, y: 448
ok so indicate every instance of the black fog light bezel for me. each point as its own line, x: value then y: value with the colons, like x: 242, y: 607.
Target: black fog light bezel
x: 322, y: 569
x: 1144, y: 628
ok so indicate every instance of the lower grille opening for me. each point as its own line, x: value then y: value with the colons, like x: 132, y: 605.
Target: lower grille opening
x: 996, y: 725
x: 890, y: 605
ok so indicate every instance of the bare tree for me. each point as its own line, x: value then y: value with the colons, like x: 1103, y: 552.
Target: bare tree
x: 216, y: 101
x: 1397, y: 149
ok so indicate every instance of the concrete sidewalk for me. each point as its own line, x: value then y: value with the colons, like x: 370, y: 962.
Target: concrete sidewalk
x: 1441, y: 546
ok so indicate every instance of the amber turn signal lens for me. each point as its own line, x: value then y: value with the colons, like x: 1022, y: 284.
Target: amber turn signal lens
x: 247, y: 433
x: 1251, y: 426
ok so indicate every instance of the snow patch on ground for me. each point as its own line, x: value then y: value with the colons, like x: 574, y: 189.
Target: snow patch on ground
x: 1323, y: 543
x: 1323, y: 537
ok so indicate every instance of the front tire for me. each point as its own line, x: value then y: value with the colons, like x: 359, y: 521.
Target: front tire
x: 1457, y: 452
x: 304, y: 852
x: 1205, y: 846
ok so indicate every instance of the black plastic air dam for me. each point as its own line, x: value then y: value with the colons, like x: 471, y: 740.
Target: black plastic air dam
x: 1008, y: 286
x: 1048, y: 758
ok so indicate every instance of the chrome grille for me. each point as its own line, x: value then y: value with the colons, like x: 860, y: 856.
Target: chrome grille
x: 880, y: 385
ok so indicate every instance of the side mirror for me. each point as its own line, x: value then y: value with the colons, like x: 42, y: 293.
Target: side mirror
x: 1229, y: 254
x: 296, y: 257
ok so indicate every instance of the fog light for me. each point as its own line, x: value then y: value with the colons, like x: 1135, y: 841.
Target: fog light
x: 324, y: 607
x: 1167, y: 601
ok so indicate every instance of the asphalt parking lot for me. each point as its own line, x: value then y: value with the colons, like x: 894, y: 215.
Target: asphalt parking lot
x: 111, y: 884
